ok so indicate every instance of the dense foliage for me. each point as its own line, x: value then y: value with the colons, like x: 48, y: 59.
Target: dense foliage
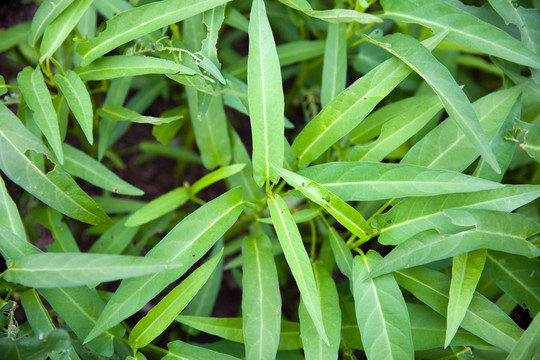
x: 347, y: 179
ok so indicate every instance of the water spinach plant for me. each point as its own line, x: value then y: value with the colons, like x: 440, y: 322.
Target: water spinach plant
x: 347, y: 179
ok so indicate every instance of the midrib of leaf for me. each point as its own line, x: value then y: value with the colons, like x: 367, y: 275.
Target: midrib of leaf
x: 466, y: 34
x: 523, y: 286
x: 397, y: 68
x: 386, y: 182
x: 61, y: 270
x: 103, y: 43
x: 379, y: 309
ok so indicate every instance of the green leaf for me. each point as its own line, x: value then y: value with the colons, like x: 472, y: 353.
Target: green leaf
x: 528, y: 345
x: 158, y: 207
x: 35, y: 312
x: 211, y: 130
x: 265, y: 96
x: 119, y: 113
x: 518, y: 277
x: 63, y: 239
x: 466, y: 271
x: 447, y: 147
x: 456, y: 103
x: 14, y: 35
x: 56, y: 188
x: 164, y: 313
x: 52, y: 270
x: 342, y: 253
x: 116, y: 66
x: 339, y: 209
x: 464, y: 28
x: 45, y: 14
x: 332, y: 15
x: 492, y: 230
x: 350, y: 107
x: 38, y: 98
x: 415, y: 215
x: 298, y: 260
x: 215, y: 176
x: 334, y: 73
x: 134, y: 23
x: 231, y: 329
x: 381, y: 313
x: 299, y: 217
x: 37, y: 347
x: 314, y: 346
x: 115, y: 240
x: 78, y: 100
x: 179, y: 350
x: 261, y: 299
x: 9, y: 215
x: 402, y: 125
x: 58, y: 30
x: 483, y: 318
x: 185, y: 245
x: 364, y: 181
x: 79, y: 164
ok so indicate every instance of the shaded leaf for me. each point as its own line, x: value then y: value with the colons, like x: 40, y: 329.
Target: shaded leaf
x: 181, y: 350
x: 528, y: 344
x: 158, y: 207
x: 119, y: 113
x: 9, y: 214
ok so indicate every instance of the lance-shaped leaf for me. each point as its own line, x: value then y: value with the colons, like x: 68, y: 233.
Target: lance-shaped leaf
x: 78, y: 100
x: 456, y: 103
x: 52, y: 270
x: 339, y: 209
x: 347, y: 110
x: 116, y: 66
x: 119, y: 113
x: 483, y: 318
x: 464, y: 28
x: 528, y: 344
x: 492, y: 230
x: 415, y: 215
x: 185, y: 244
x: 397, y: 130
x: 342, y: 253
x: 231, y: 329
x: 517, y: 276
x: 35, y: 312
x: 164, y: 313
x: 332, y: 15
x: 159, y: 207
x: 139, y: 21
x: 365, y: 181
x: 466, y: 271
x: 56, y: 189
x: 44, y: 15
x: 79, y: 306
x: 298, y: 260
x: 58, y: 30
x: 179, y: 350
x: 9, y: 215
x: 381, y: 313
x: 265, y: 96
x: 38, y: 98
x: 447, y: 147
x: 261, y: 299
x: 215, y: 176
x: 81, y: 165
x: 314, y: 346
x: 334, y: 73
